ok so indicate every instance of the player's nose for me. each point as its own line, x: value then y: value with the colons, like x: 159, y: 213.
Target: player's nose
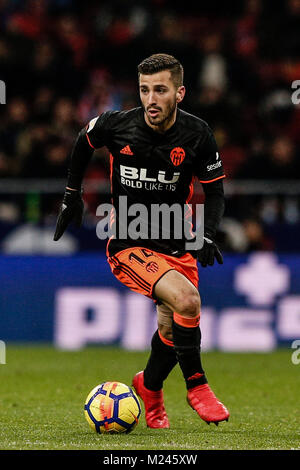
x: 151, y: 99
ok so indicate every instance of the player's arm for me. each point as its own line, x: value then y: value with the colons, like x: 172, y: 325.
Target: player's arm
x: 214, y: 206
x: 210, y: 173
x: 93, y: 136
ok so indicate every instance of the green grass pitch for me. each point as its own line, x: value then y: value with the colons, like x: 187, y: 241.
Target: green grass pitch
x: 43, y: 390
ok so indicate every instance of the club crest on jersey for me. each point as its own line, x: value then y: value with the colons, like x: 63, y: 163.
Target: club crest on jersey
x: 152, y: 267
x: 177, y: 155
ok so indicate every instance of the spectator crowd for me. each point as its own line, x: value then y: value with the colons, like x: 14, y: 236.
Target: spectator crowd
x: 65, y: 61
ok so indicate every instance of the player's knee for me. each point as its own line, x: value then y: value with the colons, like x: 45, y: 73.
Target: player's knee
x: 189, y: 305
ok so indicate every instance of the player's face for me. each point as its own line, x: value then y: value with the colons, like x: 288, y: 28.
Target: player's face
x: 159, y: 98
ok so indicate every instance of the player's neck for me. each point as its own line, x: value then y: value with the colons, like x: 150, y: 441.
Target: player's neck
x: 164, y: 126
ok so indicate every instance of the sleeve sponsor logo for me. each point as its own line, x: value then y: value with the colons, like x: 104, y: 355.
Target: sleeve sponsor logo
x: 91, y: 124
x: 214, y: 166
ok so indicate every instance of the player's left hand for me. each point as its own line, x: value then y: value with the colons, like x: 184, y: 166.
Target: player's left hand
x: 208, y: 253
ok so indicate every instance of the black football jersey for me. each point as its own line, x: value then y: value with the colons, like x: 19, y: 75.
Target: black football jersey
x: 152, y: 169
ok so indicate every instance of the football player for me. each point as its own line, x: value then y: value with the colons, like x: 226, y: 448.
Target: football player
x: 156, y: 152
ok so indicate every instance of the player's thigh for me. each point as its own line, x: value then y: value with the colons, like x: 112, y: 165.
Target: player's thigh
x: 178, y: 293
x: 139, y: 269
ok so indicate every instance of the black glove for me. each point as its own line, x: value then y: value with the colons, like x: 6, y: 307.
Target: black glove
x: 208, y: 253
x: 71, y: 211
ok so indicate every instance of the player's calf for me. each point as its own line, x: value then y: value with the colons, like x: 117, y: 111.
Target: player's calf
x: 187, y: 341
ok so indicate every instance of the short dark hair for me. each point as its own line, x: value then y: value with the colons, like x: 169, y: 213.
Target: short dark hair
x: 159, y: 62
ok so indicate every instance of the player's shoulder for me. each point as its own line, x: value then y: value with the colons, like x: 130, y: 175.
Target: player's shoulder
x: 115, y: 118
x: 193, y: 122
x: 101, y: 129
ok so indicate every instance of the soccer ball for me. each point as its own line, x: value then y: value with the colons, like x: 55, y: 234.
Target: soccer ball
x: 111, y: 408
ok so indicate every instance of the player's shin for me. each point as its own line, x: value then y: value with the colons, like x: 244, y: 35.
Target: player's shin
x: 160, y: 363
x: 187, y: 344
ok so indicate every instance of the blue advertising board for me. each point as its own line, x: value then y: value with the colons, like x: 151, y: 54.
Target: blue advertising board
x: 250, y: 303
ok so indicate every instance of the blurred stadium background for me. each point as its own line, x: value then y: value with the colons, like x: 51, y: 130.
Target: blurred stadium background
x: 65, y: 61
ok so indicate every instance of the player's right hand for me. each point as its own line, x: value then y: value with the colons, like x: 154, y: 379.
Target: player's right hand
x: 71, y: 210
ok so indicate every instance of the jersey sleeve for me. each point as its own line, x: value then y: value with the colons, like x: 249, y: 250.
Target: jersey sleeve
x: 98, y: 130
x: 209, y: 165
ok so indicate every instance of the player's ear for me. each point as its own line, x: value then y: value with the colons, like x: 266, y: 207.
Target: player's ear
x: 180, y: 94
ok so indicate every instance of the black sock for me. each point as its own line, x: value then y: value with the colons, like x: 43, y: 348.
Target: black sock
x: 187, y: 346
x: 160, y: 363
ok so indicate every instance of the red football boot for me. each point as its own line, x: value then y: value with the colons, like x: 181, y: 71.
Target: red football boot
x: 155, y: 413
x: 203, y: 400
